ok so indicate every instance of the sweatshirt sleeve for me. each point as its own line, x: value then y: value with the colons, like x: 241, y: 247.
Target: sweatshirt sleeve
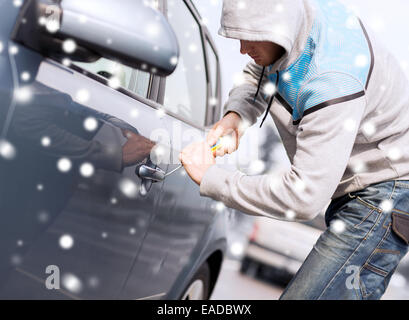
x: 241, y: 97
x: 325, y: 140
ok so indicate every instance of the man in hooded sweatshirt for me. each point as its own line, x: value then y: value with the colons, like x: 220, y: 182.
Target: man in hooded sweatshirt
x: 341, y: 106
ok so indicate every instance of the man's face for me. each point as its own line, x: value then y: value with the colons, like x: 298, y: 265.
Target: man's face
x: 264, y: 53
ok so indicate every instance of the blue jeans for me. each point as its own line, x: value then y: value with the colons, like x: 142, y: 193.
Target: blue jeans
x: 361, y: 248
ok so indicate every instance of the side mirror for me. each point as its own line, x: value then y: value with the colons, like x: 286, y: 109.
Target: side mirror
x: 127, y: 31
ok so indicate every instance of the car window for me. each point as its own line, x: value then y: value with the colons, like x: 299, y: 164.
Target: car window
x: 186, y: 87
x: 119, y: 75
x: 212, y: 61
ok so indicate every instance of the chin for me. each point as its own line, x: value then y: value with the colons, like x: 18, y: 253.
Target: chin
x: 260, y: 63
x: 263, y: 64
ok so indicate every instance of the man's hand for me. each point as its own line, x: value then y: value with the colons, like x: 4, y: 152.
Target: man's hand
x: 135, y: 149
x: 231, y: 125
x: 196, y: 159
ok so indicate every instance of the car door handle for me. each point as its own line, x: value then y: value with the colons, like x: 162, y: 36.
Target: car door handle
x: 149, y: 173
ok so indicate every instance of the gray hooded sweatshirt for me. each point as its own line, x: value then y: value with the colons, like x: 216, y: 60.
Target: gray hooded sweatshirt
x: 341, y: 107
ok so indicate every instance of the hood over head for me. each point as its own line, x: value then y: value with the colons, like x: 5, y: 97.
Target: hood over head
x: 284, y: 22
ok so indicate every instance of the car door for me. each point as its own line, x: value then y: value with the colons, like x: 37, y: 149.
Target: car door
x: 73, y: 207
x: 180, y: 230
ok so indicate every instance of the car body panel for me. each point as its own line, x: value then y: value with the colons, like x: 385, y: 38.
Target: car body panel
x: 107, y: 238
x: 281, y: 244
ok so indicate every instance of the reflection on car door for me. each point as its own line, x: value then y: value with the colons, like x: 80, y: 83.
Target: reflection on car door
x: 177, y: 234
x: 70, y: 201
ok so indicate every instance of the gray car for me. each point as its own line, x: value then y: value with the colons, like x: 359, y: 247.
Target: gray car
x: 97, y: 100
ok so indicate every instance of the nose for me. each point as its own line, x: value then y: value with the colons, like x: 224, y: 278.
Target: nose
x: 244, y: 47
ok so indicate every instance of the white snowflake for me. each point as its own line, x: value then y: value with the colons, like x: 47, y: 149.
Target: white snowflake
x: 72, y: 283
x: 64, y: 165
x: 66, y: 62
x: 228, y: 141
x: 82, y: 95
x: 152, y: 29
x: 82, y: 19
x: 337, y: 226
x: 279, y: 8
x: 66, y: 241
x: 241, y: 5
x: 16, y: 259
x: 87, y: 170
x: 134, y: 113
x: 23, y: 94
x: 280, y: 29
x: 114, y: 82
x: 128, y: 188
x: 173, y: 61
x: 25, y: 76
x: 193, y: 47
x: 43, y: 217
x: 394, y: 154
x: 17, y: 3
x: 90, y: 124
x: 220, y: 206
x: 256, y: 167
x: 7, y: 150
x: 238, y: 79
x: 369, y: 128
x: 244, y: 125
x: 93, y: 282
x: 387, y: 205
x: 213, y: 101
x: 45, y: 141
x: 237, y: 248
x: 286, y: 76
x: 290, y: 215
x: 359, y: 167
x: 69, y: 46
x: 13, y: 50
x: 350, y: 125
x: 52, y: 25
x: 205, y: 21
x: 361, y: 60
x: 270, y: 89
x: 42, y: 21
x: 352, y: 22
x: 300, y: 185
x: 160, y: 113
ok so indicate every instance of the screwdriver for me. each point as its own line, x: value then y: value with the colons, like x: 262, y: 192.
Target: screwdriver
x: 214, y: 148
x: 226, y: 140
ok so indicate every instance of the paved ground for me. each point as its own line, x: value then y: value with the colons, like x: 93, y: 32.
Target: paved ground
x: 232, y: 285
